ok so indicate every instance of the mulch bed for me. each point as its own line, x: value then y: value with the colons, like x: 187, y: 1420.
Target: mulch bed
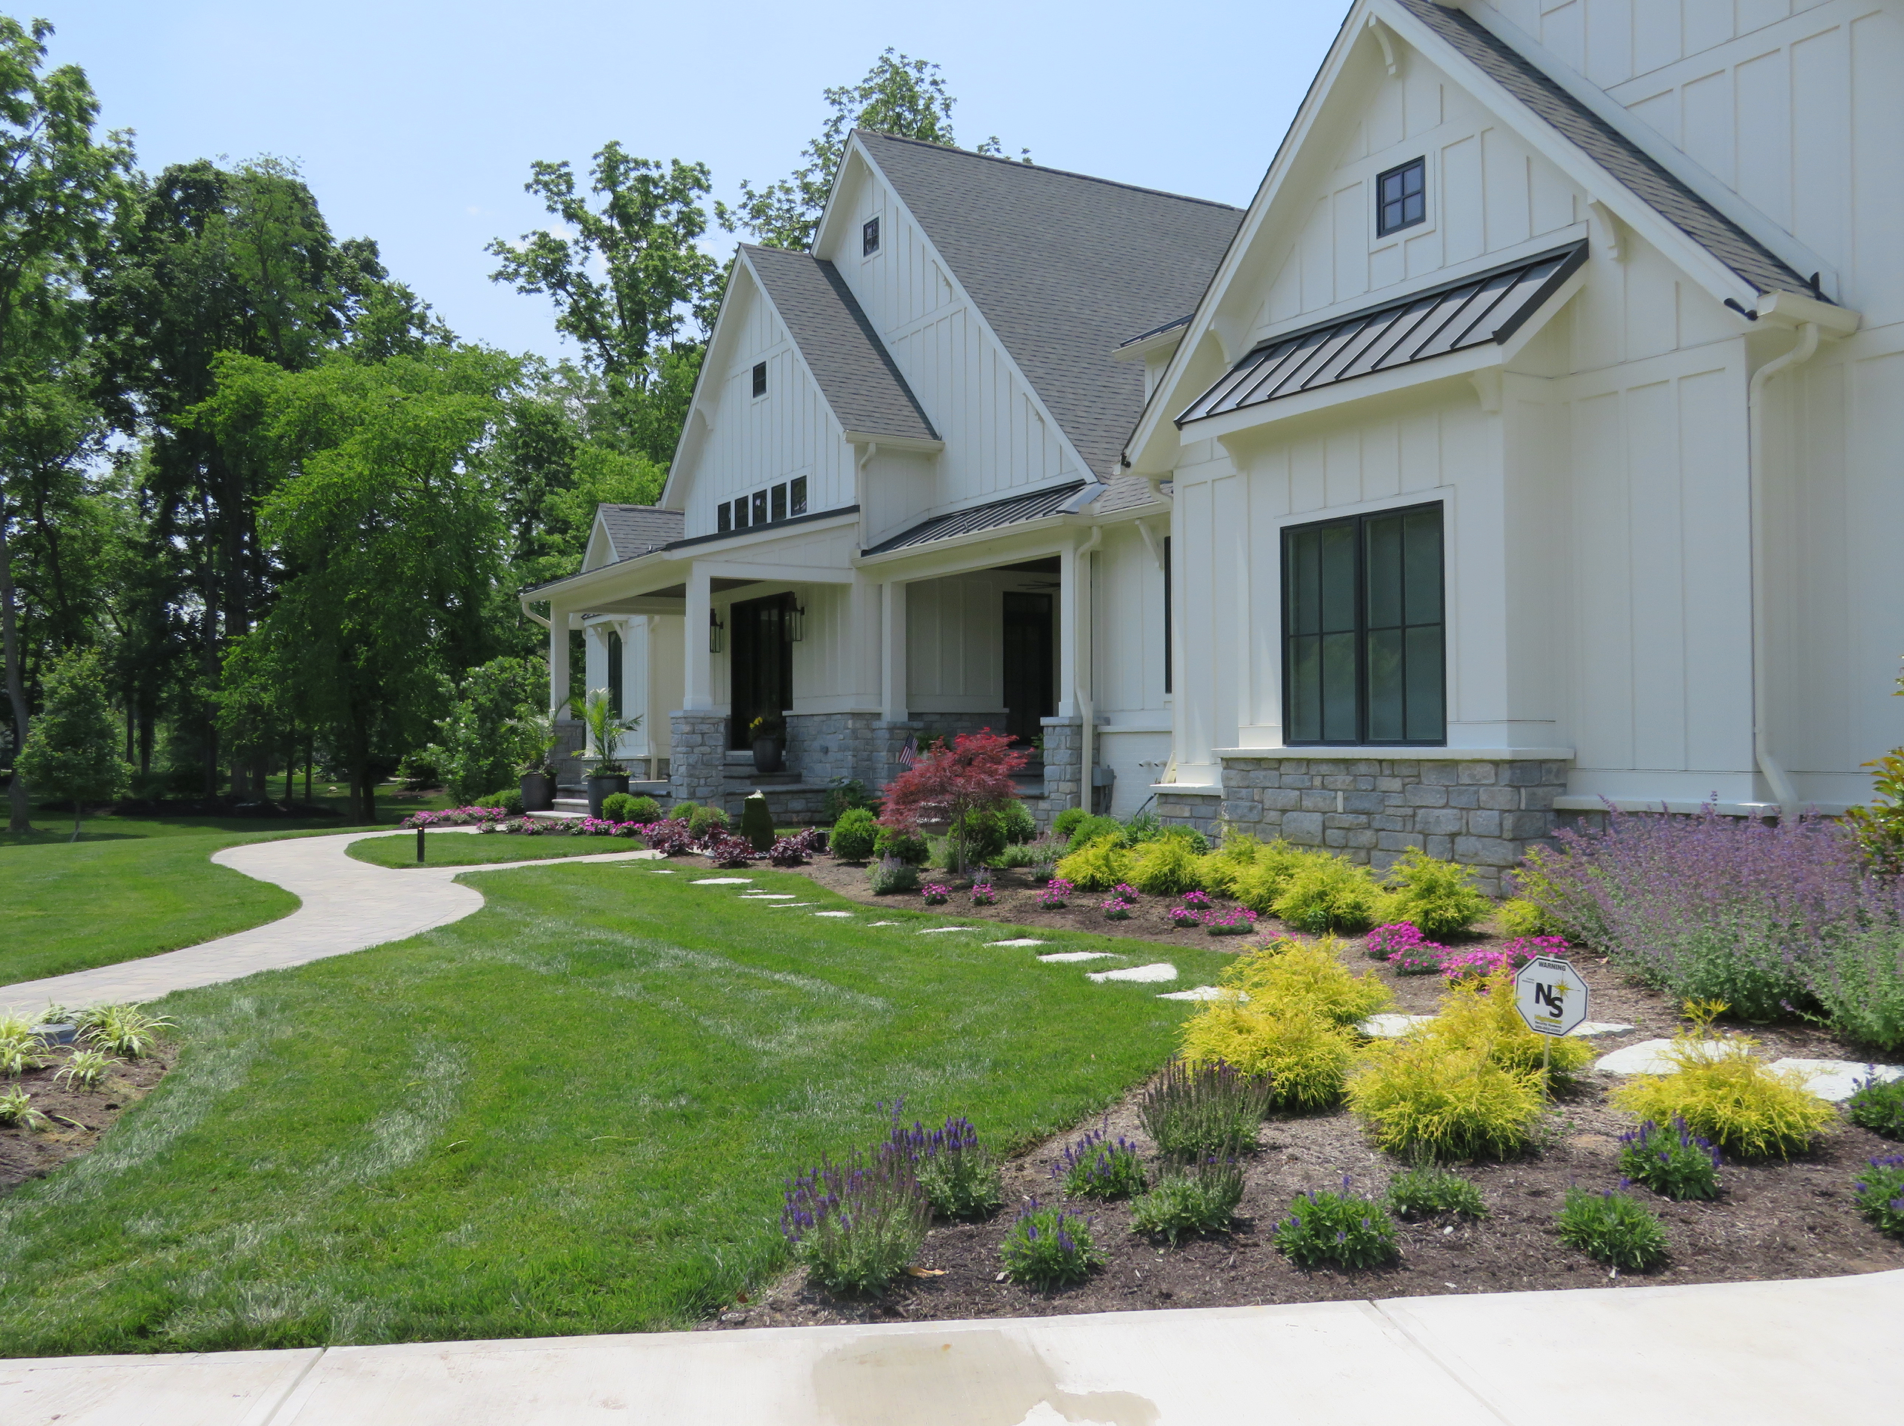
x: 82, y: 1116
x: 1773, y: 1219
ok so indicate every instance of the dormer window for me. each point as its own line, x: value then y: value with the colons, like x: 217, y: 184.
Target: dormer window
x: 1401, y: 197
x: 760, y: 378
x: 869, y: 237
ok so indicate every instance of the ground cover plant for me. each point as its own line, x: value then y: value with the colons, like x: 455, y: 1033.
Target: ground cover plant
x: 1430, y: 1190
x: 1345, y: 1229
x: 1880, y: 1194
x: 427, y: 1140
x: 1878, y: 1105
x: 1613, y: 1228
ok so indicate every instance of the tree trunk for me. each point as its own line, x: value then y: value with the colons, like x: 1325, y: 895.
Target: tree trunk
x: 79, y: 811
x: 19, y: 817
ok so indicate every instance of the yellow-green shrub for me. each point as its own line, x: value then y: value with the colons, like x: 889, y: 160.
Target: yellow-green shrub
x: 1327, y: 893
x: 1480, y: 1015
x: 1438, y: 897
x: 1220, y: 868
x: 1727, y: 1094
x: 1259, y: 884
x: 1422, y: 1096
x: 1098, y: 865
x: 1521, y: 917
x: 1167, y: 866
x: 1297, y: 976
x: 1306, y: 1057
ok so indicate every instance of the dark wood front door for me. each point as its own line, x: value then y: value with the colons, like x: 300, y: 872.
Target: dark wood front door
x: 762, y: 663
x: 1030, y: 666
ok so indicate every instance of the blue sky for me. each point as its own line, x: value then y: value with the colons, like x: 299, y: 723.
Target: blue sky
x: 415, y: 122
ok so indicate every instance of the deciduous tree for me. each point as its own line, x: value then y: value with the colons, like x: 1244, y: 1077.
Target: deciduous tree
x: 72, y: 753
x: 951, y: 782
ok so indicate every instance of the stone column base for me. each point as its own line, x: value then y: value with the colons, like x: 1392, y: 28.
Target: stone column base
x: 697, y: 757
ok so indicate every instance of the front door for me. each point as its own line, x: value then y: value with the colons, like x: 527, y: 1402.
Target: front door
x: 1030, y: 666
x: 762, y: 665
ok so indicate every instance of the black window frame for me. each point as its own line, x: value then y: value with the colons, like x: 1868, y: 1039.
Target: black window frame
x: 759, y: 513
x: 1400, y: 172
x: 778, y: 510
x: 740, y: 512
x: 1360, y: 524
x: 1169, y: 620
x: 760, y: 378
x: 797, y: 496
x: 869, y: 237
x: 723, y: 518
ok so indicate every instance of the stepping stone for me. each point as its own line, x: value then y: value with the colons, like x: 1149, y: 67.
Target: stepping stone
x: 792, y: 905
x: 723, y: 881
x: 768, y: 895
x: 1021, y: 941
x: 1647, y: 1057
x: 1599, y: 1027
x: 886, y: 923
x: 944, y: 930
x: 1065, y: 957
x: 1838, y: 1080
x: 1201, y: 992
x: 1391, y: 1027
x: 832, y: 913
x: 1155, y: 971
x: 665, y: 871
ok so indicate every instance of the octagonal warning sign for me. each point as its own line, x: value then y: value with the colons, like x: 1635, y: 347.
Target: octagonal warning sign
x: 1550, y: 995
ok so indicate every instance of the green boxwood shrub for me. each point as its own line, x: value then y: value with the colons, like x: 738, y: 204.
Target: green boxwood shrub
x: 708, y: 819
x: 509, y: 799
x: 854, y: 835
x: 1093, y: 829
x: 1066, y: 822
x: 626, y: 807
x: 891, y: 844
x: 1020, y: 825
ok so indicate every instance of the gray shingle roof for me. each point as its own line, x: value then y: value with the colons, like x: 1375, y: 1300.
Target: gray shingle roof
x: 855, y: 372
x: 1615, y: 153
x: 637, y: 529
x: 999, y: 513
x: 1122, y: 493
x: 1065, y: 268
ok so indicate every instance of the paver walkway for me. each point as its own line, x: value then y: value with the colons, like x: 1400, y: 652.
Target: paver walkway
x: 349, y: 905
x: 1806, y: 1353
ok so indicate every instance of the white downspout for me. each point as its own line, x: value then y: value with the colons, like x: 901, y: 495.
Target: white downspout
x: 1087, y: 705
x: 1775, y: 775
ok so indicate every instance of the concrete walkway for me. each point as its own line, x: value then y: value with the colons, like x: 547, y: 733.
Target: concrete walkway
x: 349, y: 905
x: 1810, y: 1353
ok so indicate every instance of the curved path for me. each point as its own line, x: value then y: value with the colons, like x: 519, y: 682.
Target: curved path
x: 349, y: 905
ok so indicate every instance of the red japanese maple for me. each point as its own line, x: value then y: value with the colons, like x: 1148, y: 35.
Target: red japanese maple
x: 972, y: 774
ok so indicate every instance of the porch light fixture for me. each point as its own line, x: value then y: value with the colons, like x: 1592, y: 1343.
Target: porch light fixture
x: 796, y: 623
x: 715, y: 632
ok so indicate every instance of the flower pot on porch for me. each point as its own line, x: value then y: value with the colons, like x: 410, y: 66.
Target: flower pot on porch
x: 604, y: 784
x: 766, y: 755
x: 538, y: 792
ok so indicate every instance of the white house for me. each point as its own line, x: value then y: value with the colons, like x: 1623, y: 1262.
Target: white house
x: 1533, y: 439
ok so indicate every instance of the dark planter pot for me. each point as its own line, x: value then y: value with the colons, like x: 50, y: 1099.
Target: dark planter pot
x: 538, y: 792
x: 604, y: 784
x: 766, y: 755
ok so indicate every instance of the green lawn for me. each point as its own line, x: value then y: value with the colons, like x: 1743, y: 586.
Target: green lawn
x: 480, y: 849
x: 571, y: 1112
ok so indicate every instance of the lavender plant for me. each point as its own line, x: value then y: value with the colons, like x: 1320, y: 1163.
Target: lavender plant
x: 1674, y: 1162
x: 1049, y: 1246
x: 956, y: 1174
x: 1878, y: 1105
x: 856, y: 1225
x: 1197, y: 1112
x: 1774, y: 919
x: 1098, y: 1166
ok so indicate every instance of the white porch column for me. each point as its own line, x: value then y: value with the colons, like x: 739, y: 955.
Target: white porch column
x: 1073, y: 571
x: 634, y: 684
x: 558, y: 659
x: 893, y: 699
x: 698, y: 691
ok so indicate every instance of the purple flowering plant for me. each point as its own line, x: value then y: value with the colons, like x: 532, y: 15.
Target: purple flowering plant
x: 1050, y: 1246
x: 935, y: 893
x: 1098, y: 1166
x: 1185, y: 917
x: 1458, y: 967
x: 956, y: 1173
x: 1384, y: 942
x: 1056, y: 895
x: 1329, y: 1228
x: 1880, y: 1194
x: 858, y: 1224
x: 1116, y: 908
x: 984, y: 893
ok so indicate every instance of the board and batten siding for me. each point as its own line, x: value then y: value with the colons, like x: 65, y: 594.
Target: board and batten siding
x: 1128, y: 648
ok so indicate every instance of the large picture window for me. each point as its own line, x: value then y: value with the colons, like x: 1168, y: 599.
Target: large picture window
x: 1364, y: 649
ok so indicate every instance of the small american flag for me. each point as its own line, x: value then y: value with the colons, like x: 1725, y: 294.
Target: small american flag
x: 909, y: 754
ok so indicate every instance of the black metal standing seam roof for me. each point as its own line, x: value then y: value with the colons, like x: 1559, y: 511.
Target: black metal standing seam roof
x: 637, y: 529
x: 855, y: 372
x: 1015, y: 511
x: 1064, y: 268
x: 1489, y: 307
x: 1612, y: 150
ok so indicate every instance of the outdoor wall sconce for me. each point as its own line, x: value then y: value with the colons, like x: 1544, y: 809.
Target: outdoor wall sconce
x: 715, y: 630
x: 797, y: 623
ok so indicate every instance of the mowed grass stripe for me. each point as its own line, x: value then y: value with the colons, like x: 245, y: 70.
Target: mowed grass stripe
x: 569, y: 1113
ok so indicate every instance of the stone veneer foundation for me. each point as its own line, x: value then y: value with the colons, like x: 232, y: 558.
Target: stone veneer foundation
x: 1482, y: 811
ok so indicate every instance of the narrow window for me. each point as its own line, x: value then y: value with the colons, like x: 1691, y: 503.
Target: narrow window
x: 869, y: 237
x: 723, y: 518
x: 797, y: 496
x: 1168, y: 632
x: 740, y: 513
x: 1363, y: 636
x: 760, y: 508
x: 614, y: 673
x: 760, y: 378
x: 1401, y: 197
x: 780, y: 502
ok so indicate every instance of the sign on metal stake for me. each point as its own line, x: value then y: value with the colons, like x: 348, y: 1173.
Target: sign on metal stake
x: 1552, y: 999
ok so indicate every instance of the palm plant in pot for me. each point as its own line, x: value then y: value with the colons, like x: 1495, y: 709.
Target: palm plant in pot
x: 768, y: 735
x: 605, y: 727
x: 539, y: 737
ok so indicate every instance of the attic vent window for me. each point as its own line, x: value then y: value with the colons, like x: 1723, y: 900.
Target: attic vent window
x: 760, y: 378
x: 869, y: 237
x: 1401, y: 197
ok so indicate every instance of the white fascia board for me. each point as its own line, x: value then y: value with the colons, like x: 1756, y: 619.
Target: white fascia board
x: 1162, y: 397
x: 911, y: 445
x: 654, y: 563
x: 1720, y: 281
x: 1169, y: 339
x: 978, y: 313
x: 1781, y: 244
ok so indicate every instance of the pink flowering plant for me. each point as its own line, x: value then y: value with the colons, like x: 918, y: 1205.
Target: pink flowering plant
x: 1406, y: 950
x: 1459, y: 966
x: 1116, y: 908
x: 455, y: 817
x: 1056, y: 895
x: 1184, y: 917
x: 935, y: 893
x: 1523, y: 949
x: 984, y: 894
x: 1124, y: 891
x: 1234, y: 921
x: 1198, y: 900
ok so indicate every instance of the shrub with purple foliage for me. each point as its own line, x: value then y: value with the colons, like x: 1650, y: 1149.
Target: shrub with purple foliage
x: 670, y: 836
x: 1772, y: 919
x: 726, y: 849
x: 791, y: 851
